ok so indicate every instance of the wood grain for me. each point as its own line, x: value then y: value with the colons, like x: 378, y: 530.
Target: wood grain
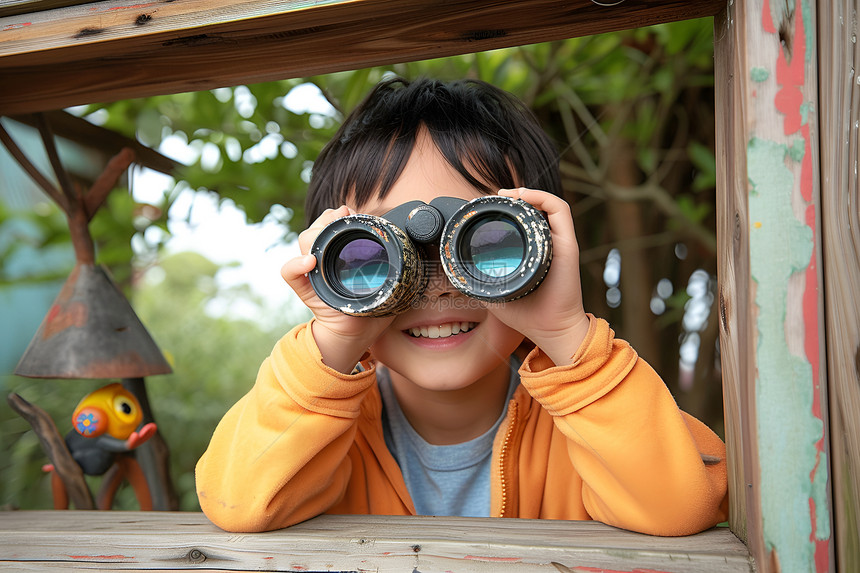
x: 112, y: 50
x: 840, y: 201
x: 737, y: 335
x: 35, y: 540
x: 12, y: 7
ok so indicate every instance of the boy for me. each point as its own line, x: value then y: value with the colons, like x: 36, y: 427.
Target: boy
x: 442, y: 417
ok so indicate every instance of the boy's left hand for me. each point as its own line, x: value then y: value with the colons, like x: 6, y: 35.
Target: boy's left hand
x: 552, y: 316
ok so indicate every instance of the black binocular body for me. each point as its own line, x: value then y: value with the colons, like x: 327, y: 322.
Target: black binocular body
x: 491, y: 248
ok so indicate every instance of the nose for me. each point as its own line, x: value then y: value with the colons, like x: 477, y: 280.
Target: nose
x: 437, y: 281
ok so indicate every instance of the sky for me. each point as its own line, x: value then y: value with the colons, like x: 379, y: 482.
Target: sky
x: 252, y: 254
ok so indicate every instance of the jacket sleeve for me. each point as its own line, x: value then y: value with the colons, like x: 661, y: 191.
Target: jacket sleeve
x: 645, y: 465
x: 279, y: 455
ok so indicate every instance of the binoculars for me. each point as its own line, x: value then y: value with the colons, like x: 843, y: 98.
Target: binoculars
x: 492, y: 248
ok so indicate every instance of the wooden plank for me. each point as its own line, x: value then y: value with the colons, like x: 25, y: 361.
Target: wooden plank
x: 771, y: 296
x: 34, y: 540
x: 840, y: 202
x: 114, y: 49
x: 12, y: 7
x: 737, y: 335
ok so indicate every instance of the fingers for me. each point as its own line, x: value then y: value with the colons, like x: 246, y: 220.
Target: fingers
x: 557, y: 209
x: 295, y: 271
x: 306, y: 237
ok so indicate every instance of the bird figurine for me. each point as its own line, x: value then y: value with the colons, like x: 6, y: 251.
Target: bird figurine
x: 104, y: 433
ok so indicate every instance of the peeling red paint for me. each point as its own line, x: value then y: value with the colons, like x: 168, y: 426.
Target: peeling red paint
x: 16, y: 26
x: 767, y: 18
x: 822, y: 546
x: 113, y: 557
x: 791, y: 76
x: 75, y: 314
x: 602, y: 570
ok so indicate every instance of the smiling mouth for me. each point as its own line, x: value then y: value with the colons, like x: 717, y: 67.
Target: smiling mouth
x: 442, y: 330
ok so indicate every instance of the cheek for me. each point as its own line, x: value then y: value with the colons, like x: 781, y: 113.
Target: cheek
x: 502, y: 337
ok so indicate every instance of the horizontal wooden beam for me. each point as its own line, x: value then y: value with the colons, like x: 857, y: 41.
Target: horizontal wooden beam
x: 12, y: 7
x: 111, y: 50
x: 36, y: 540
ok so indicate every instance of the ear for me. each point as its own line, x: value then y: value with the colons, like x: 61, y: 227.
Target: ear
x: 90, y: 421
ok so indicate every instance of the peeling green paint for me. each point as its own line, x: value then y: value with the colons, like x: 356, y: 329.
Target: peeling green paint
x: 806, y: 108
x: 806, y: 14
x: 780, y: 246
x: 759, y: 74
x: 798, y: 148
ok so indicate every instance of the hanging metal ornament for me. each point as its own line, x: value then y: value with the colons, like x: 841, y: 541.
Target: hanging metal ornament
x: 91, y: 330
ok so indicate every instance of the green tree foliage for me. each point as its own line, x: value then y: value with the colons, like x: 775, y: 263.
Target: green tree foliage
x: 214, y: 359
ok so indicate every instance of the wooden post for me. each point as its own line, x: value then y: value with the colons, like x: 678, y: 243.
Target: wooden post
x: 839, y: 105
x: 771, y: 297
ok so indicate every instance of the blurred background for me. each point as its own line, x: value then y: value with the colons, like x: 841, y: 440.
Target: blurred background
x: 198, y: 252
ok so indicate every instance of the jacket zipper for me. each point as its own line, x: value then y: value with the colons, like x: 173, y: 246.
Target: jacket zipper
x: 504, y: 450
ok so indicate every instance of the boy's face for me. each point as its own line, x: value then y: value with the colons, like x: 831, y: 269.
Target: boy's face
x: 438, y: 359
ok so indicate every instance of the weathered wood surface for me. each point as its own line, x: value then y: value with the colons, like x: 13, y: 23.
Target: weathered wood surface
x: 733, y: 272
x: 771, y: 293
x: 840, y: 202
x: 11, y: 7
x: 37, y: 540
x: 117, y: 49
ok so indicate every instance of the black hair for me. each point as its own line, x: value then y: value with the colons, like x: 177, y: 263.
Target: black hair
x: 479, y: 129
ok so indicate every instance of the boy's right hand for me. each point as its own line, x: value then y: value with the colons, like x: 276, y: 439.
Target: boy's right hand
x: 342, y: 339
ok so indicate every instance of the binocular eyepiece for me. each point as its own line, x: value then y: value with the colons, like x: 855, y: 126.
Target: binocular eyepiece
x: 492, y: 248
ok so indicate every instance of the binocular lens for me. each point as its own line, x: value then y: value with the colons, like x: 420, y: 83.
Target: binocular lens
x: 361, y: 267
x: 366, y: 266
x: 494, y: 247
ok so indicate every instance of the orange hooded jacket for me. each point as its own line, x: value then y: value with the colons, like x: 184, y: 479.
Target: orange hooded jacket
x: 599, y: 439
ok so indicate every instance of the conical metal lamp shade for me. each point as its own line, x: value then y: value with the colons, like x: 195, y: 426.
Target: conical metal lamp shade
x: 91, y: 331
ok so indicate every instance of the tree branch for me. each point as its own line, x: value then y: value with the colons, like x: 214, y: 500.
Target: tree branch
x: 107, y: 181
x: 32, y: 170
x: 55, y: 448
x: 44, y: 127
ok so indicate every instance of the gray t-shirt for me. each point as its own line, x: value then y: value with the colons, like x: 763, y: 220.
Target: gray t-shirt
x: 442, y: 480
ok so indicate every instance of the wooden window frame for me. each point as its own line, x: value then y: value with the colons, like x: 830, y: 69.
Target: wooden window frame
x: 787, y: 106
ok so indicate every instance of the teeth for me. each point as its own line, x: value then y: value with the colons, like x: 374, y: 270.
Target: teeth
x: 443, y: 330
